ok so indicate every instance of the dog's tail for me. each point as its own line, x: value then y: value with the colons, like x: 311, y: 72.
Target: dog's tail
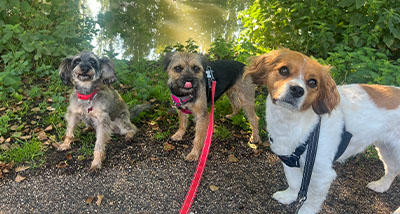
x: 135, y: 111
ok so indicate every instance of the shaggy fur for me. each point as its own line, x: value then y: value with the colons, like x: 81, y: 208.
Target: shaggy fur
x: 107, y: 112
x: 301, y: 90
x: 189, y: 67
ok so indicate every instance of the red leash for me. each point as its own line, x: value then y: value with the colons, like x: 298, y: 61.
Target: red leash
x: 202, y: 161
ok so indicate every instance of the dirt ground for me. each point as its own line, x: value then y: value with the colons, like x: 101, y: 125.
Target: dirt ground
x: 143, y: 177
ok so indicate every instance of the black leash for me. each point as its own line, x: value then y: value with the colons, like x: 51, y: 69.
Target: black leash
x: 308, y: 166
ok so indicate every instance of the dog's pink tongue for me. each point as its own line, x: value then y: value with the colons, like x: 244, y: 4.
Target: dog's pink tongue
x: 188, y: 84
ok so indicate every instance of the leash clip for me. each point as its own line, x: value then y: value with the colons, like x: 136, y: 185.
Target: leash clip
x: 210, y: 76
x: 300, y: 203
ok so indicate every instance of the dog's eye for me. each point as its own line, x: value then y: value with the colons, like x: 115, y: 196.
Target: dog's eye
x: 92, y: 63
x: 76, y: 62
x: 284, y: 71
x: 178, y: 69
x: 196, y: 69
x: 312, y: 83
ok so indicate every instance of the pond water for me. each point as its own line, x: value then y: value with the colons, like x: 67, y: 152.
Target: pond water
x: 143, y: 28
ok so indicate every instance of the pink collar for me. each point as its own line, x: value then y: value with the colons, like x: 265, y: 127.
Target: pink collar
x: 87, y: 97
x: 179, y: 101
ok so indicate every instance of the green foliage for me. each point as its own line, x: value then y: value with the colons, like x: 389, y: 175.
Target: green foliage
x: 363, y: 65
x: 4, y: 126
x: 317, y: 27
x: 29, y: 151
x: 36, y: 35
x: 222, y: 132
x: 178, y: 47
x: 221, y: 49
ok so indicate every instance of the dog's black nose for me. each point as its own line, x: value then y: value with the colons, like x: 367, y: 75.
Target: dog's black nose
x: 296, y: 91
x: 85, y: 69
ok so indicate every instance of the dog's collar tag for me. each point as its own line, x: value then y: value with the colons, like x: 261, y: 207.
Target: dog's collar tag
x: 90, y: 97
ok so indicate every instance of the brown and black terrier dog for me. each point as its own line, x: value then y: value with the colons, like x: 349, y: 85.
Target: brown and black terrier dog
x: 94, y: 102
x: 190, y: 91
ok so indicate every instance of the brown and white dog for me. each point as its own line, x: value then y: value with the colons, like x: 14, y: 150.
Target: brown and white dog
x: 300, y: 91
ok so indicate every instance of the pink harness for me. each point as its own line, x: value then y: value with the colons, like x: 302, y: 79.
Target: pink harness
x: 179, y: 101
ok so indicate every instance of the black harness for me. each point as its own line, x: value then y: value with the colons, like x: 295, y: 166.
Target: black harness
x: 293, y: 160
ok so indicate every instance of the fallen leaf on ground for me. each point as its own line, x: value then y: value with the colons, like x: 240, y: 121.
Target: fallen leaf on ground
x: 232, y: 158
x: 266, y: 144
x: 42, y: 136
x: 168, y: 147
x: 17, y: 134
x: 111, y: 203
x: 68, y: 156
x: 153, y: 158
x: 90, y: 199
x: 252, y: 145
x: 81, y: 157
x: 257, y: 152
x: 50, y: 100
x: 55, y: 145
x: 26, y: 137
x: 50, y: 108
x: 185, y: 146
x: 8, y: 140
x: 35, y: 109
x: 19, y: 178
x: 99, y: 199
x: 48, y: 128
x: 62, y: 164
x: 2, y: 139
x: 14, y: 127
x: 2, y: 108
x: 21, y: 168
x: 214, y: 188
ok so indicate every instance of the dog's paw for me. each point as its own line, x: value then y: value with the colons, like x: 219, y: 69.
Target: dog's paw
x: 96, y: 165
x: 285, y: 197
x: 177, y: 136
x: 192, y: 156
x: 129, y: 136
x: 64, y: 147
x: 379, y: 185
x: 109, y: 80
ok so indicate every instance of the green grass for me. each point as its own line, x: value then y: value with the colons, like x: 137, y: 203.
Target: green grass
x: 87, y: 141
x: 28, y: 152
x: 222, y: 133
x: 162, y: 135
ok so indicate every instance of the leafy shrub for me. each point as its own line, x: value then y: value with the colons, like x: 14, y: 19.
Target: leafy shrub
x: 317, y: 27
x: 178, y: 47
x: 36, y: 35
x: 363, y: 65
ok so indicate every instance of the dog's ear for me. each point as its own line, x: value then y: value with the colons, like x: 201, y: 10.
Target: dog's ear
x: 328, y: 96
x: 256, y: 69
x: 107, y: 70
x: 166, y: 60
x: 65, y: 71
x: 204, y: 61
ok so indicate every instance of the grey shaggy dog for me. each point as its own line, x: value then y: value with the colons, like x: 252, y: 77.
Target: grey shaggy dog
x: 94, y: 102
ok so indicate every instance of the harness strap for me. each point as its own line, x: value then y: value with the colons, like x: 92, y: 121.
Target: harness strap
x: 308, y: 166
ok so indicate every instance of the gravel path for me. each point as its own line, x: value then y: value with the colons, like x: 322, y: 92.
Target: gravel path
x: 140, y: 177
